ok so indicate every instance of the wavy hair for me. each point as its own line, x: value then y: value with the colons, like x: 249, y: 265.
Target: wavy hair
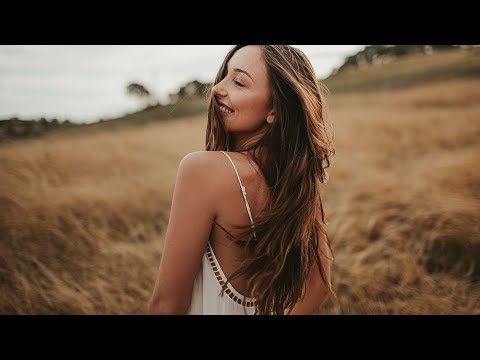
x: 298, y: 146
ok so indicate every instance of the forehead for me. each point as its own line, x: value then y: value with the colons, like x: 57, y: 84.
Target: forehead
x: 250, y: 59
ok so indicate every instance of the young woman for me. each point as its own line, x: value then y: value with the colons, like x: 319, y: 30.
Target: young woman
x: 246, y: 233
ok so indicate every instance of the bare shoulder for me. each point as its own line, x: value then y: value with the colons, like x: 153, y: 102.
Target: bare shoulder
x: 202, y: 162
x: 211, y: 166
x: 200, y: 168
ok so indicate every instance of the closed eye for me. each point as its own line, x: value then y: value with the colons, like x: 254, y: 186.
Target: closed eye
x: 238, y: 83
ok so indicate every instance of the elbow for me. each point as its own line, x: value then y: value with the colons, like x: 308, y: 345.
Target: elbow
x: 322, y: 293
x: 154, y: 308
x: 313, y: 300
x: 158, y: 307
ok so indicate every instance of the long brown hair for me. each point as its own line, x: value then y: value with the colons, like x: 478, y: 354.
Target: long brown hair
x: 298, y: 146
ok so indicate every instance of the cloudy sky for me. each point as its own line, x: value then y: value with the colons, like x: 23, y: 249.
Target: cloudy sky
x: 85, y: 82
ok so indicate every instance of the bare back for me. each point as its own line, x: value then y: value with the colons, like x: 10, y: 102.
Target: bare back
x: 231, y: 209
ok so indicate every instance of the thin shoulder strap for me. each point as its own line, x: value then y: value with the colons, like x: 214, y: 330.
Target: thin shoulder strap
x: 244, y: 192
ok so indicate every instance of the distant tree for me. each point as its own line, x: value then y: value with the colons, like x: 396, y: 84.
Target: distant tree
x: 137, y: 90
x: 43, y: 123
x: 173, y: 98
x: 193, y: 88
x: 182, y: 92
x: 443, y: 47
x: 140, y: 92
x: 373, y: 53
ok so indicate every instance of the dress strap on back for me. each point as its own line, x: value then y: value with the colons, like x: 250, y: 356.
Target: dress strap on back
x: 244, y: 192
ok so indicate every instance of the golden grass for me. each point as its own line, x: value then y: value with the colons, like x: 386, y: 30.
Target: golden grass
x: 83, y: 216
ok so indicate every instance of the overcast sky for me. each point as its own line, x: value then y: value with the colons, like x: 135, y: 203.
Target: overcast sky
x: 85, y: 82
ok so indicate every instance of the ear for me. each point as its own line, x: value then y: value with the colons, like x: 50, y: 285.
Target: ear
x: 271, y: 117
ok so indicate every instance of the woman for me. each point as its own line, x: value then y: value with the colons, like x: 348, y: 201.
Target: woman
x: 246, y: 233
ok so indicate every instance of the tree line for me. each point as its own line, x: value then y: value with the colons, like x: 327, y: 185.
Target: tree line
x: 192, y: 89
x: 16, y: 128
x: 377, y: 53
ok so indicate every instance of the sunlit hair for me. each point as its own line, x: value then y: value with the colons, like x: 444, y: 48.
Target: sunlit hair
x: 298, y: 146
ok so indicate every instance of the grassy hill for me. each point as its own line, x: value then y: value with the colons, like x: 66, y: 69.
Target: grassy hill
x: 83, y: 217
x: 161, y: 113
x: 406, y: 71
x: 12, y: 130
x: 401, y: 72
x: 84, y: 212
x: 183, y: 108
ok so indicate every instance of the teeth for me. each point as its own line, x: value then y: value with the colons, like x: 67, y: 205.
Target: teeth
x: 224, y: 109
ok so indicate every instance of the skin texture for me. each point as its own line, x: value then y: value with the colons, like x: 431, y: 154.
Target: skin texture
x: 317, y: 292
x: 248, y: 96
x: 199, y: 191
x: 191, y: 219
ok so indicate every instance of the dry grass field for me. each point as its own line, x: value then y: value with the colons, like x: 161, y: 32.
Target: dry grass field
x: 82, y: 216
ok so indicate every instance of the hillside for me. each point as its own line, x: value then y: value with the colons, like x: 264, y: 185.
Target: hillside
x: 406, y: 71
x: 388, y: 73
x: 16, y: 129
x: 84, y: 216
x: 183, y: 108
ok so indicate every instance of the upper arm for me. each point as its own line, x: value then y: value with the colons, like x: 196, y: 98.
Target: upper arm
x: 191, y: 218
x: 316, y: 291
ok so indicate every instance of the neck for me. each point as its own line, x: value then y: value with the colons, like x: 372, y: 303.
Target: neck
x: 241, y: 141
x: 259, y: 152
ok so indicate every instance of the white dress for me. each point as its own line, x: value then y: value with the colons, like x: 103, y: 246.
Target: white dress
x: 207, y: 298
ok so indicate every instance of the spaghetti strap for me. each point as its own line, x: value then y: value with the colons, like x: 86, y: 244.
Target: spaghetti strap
x: 244, y: 192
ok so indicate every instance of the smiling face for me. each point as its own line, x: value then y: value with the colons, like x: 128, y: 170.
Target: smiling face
x: 243, y: 96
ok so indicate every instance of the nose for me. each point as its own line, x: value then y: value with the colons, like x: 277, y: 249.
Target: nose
x: 218, y: 89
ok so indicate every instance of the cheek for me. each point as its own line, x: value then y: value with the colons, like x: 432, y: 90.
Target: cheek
x: 242, y: 101
x: 259, y: 109
x: 253, y: 105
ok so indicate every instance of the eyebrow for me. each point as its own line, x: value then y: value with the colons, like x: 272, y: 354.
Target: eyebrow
x: 243, y: 71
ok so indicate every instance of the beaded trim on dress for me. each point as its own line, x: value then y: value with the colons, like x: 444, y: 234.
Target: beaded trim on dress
x: 220, y: 276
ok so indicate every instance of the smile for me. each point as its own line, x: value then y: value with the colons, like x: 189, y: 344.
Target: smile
x: 225, y: 110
